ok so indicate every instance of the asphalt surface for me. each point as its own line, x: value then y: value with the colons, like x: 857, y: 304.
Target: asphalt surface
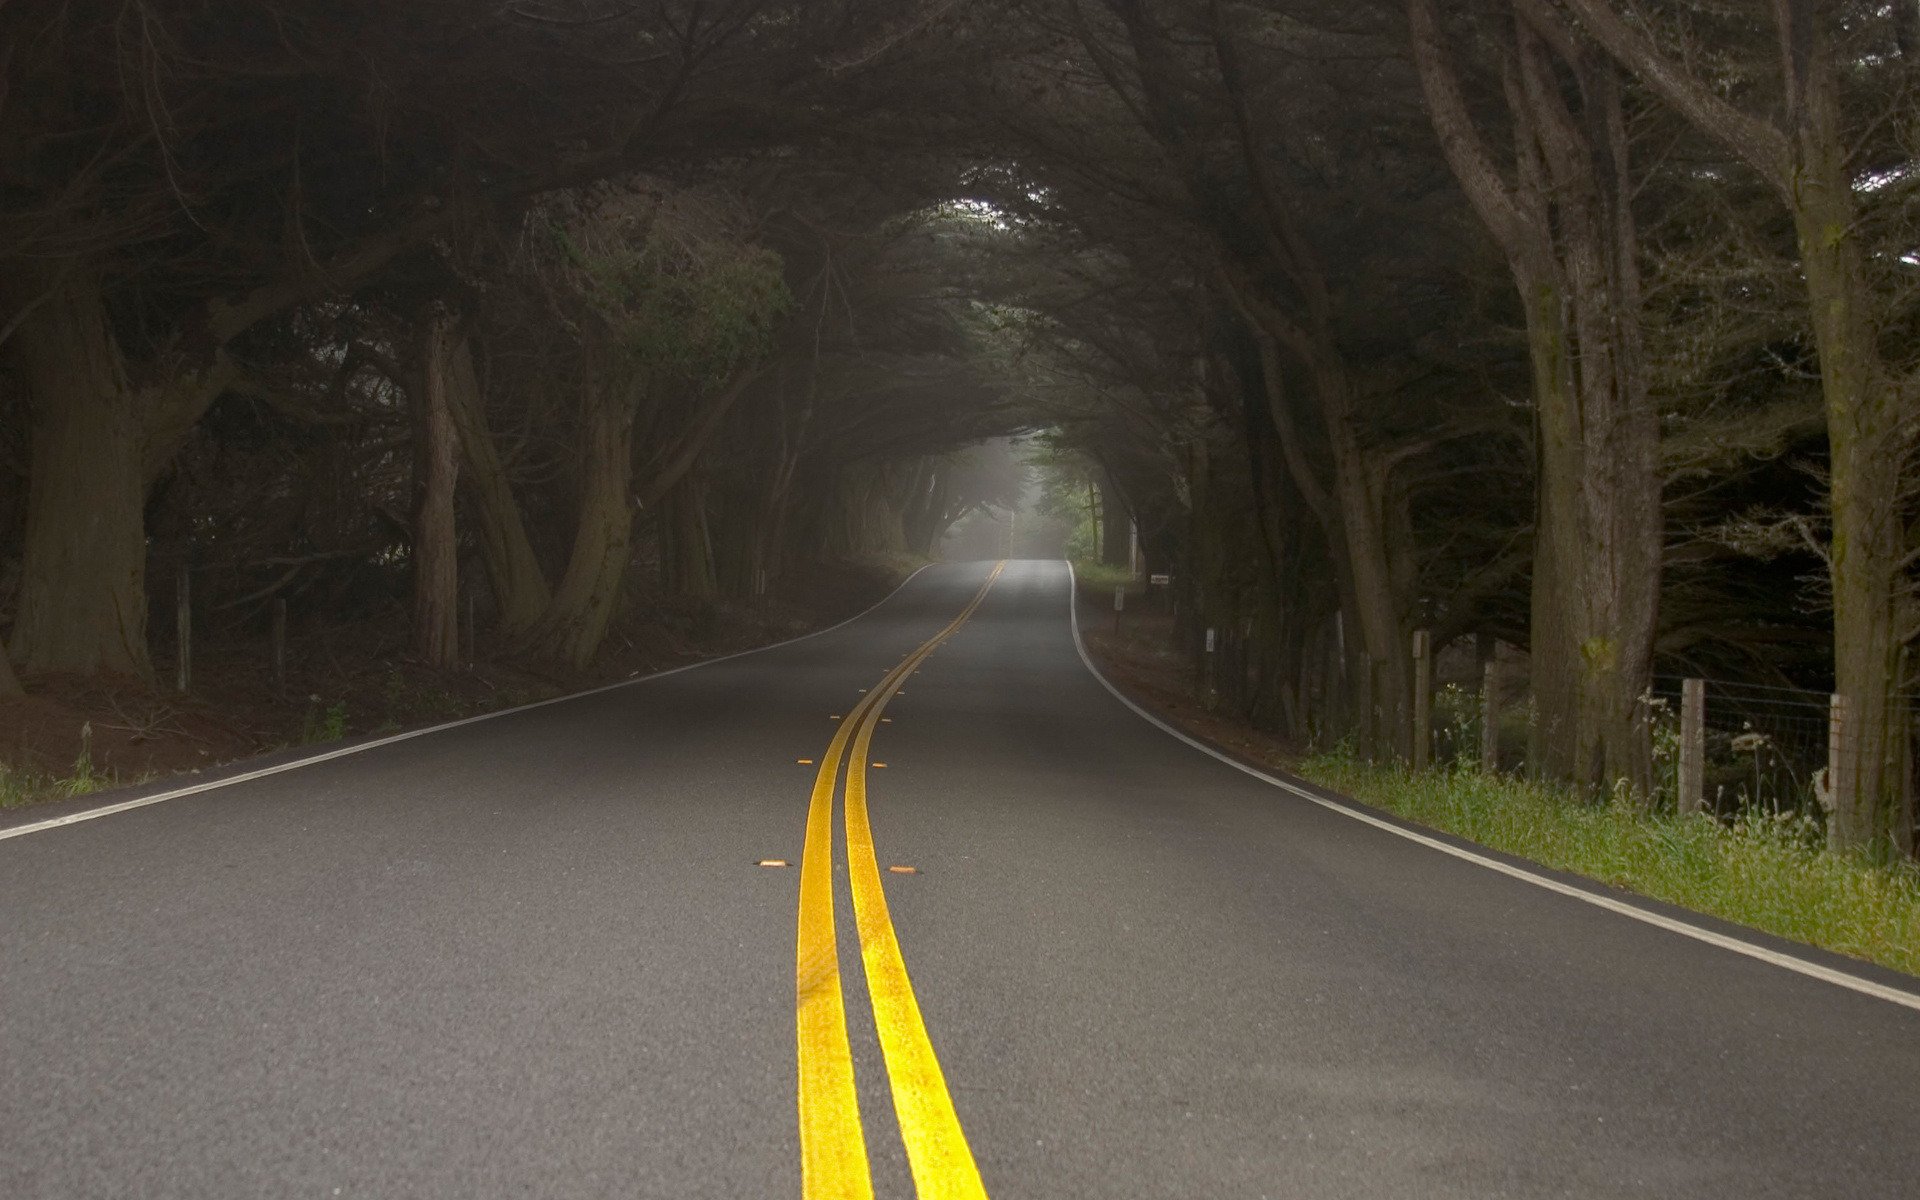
x: 533, y: 956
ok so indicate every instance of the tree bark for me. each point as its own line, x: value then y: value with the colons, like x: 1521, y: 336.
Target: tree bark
x: 1565, y: 224
x: 436, y: 560
x: 83, y: 603
x: 1865, y: 444
x: 519, y: 586
x: 686, y: 546
x: 575, y: 622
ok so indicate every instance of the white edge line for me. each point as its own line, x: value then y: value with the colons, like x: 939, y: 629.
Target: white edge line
x: 358, y: 747
x: 1827, y: 974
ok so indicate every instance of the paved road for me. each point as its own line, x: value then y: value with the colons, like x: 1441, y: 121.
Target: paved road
x: 534, y: 956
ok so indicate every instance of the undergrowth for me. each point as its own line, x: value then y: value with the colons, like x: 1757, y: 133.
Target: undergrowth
x: 19, y: 786
x: 1773, y: 873
x: 1102, y: 578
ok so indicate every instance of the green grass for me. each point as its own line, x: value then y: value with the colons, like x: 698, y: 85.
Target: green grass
x: 1772, y: 874
x: 21, y: 787
x: 327, y: 724
x: 1103, y: 578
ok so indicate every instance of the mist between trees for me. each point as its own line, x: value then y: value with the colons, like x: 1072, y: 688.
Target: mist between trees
x: 1582, y: 326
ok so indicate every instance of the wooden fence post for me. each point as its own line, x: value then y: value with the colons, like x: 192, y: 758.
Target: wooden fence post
x: 280, y: 644
x: 1691, y: 792
x: 1906, y: 724
x: 1490, y: 717
x: 1422, y: 699
x: 183, y: 627
x: 1207, y: 675
x: 1840, y: 747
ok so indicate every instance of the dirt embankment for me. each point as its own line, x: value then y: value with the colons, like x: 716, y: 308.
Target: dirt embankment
x: 1140, y: 659
x: 81, y: 734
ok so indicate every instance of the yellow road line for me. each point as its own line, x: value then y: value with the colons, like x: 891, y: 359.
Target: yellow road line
x: 937, y: 1151
x: 833, y: 1153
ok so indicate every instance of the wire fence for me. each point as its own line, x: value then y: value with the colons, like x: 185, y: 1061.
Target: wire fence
x: 1743, y: 748
x: 1764, y: 747
x: 1761, y: 747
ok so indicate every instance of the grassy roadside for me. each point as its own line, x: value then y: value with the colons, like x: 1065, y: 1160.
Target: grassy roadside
x: 1772, y: 875
x: 1100, y: 579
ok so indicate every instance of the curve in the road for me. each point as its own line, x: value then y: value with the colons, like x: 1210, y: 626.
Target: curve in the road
x: 1766, y: 954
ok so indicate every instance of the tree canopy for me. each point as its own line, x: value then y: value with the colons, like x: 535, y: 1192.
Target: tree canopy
x: 1586, y: 326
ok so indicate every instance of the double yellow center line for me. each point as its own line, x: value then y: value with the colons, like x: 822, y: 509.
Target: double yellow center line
x: 833, y: 1150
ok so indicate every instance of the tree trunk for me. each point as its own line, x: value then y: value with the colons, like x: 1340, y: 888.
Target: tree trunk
x: 1604, y: 446
x: 1365, y: 539
x: 1350, y: 498
x: 868, y: 524
x: 1565, y: 224
x: 1804, y: 159
x: 686, y: 547
x: 83, y: 602
x: 9, y: 682
x: 1556, y: 607
x: 1116, y: 528
x: 520, y: 590
x: 436, y: 561
x: 924, y: 519
x: 1866, y: 449
x: 575, y: 623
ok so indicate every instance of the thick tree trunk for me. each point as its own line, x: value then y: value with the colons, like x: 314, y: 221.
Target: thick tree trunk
x: 1804, y: 159
x: 576, y: 621
x: 1556, y: 608
x: 1866, y: 447
x: 1566, y: 225
x: 83, y: 603
x: 436, y: 569
x: 520, y: 590
x: 1609, y: 459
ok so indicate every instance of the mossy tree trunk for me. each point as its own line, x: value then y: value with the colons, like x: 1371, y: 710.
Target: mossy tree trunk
x: 1562, y: 216
x: 1800, y: 149
x: 1866, y: 448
